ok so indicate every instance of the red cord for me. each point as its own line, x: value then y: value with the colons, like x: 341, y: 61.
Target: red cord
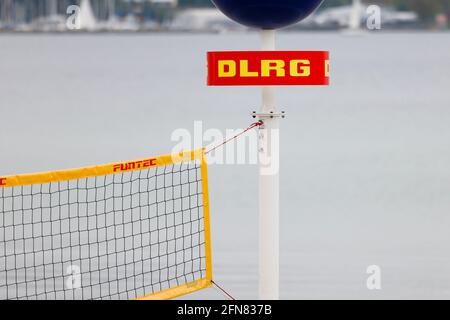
x: 252, y: 126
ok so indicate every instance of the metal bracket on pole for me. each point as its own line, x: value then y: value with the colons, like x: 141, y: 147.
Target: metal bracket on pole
x: 268, y: 115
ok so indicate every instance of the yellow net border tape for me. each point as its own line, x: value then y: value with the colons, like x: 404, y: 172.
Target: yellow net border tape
x: 99, y: 170
x: 135, y: 165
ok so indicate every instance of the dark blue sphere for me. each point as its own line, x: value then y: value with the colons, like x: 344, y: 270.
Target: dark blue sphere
x: 267, y: 14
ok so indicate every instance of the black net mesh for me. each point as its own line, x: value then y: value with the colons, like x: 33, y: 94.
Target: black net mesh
x: 118, y: 236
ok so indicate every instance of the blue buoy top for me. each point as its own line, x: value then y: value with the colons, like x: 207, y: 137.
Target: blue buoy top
x: 267, y: 14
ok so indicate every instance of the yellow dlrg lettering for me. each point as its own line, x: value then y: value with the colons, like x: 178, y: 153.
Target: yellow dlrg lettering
x: 227, y: 68
x: 244, y: 70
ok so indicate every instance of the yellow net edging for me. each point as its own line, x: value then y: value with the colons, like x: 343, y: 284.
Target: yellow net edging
x: 183, y: 264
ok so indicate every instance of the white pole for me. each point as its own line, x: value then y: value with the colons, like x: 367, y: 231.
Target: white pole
x: 269, y: 190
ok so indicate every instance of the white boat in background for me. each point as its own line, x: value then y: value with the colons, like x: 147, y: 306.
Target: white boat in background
x: 351, y: 19
x: 129, y: 23
x: 88, y: 22
x: 347, y: 18
x: 356, y: 19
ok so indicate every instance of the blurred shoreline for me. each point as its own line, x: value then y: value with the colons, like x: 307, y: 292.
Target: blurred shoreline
x: 204, y: 32
x: 169, y: 17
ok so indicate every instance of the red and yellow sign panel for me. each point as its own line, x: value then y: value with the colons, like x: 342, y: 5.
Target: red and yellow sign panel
x: 265, y: 68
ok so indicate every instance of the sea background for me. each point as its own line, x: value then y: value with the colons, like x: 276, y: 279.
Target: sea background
x: 365, y: 162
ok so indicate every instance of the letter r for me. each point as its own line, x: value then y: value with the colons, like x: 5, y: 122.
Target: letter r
x: 273, y: 65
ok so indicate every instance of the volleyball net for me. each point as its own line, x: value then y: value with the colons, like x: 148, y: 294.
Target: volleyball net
x: 131, y: 230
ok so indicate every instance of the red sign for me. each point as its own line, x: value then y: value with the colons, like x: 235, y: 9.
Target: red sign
x: 266, y: 68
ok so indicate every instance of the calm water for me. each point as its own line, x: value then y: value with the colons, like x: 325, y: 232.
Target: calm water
x: 365, y: 162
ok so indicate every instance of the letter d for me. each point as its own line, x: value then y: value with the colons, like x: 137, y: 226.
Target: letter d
x: 227, y: 68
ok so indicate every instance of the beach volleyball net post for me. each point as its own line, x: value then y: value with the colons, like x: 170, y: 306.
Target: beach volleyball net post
x: 269, y: 188
x: 268, y: 68
x: 131, y: 230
